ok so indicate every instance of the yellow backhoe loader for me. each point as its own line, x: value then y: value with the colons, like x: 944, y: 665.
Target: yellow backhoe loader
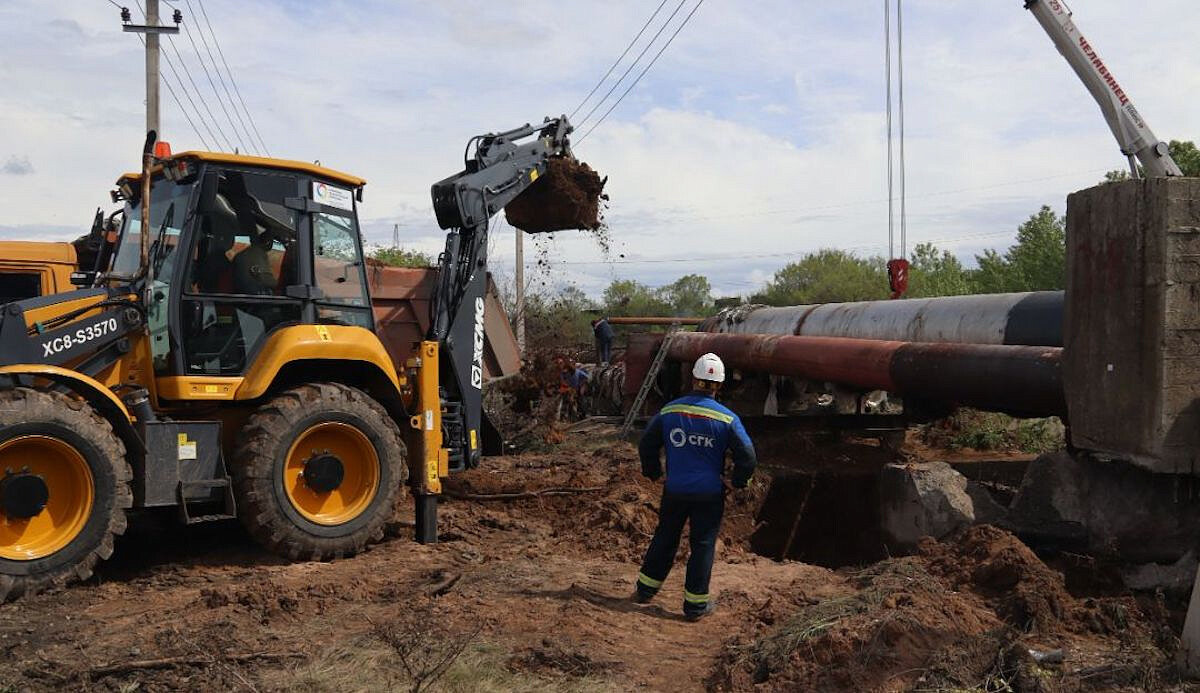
x: 221, y: 359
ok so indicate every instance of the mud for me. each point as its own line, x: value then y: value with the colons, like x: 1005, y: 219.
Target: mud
x: 973, y: 613
x: 567, y: 196
x: 537, y: 590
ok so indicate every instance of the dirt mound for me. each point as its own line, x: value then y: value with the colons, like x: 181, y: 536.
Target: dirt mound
x: 994, y: 564
x: 969, y: 613
x: 880, y: 634
x: 566, y: 196
x: 1022, y: 590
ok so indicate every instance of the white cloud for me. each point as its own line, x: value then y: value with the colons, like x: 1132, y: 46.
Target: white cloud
x: 997, y: 123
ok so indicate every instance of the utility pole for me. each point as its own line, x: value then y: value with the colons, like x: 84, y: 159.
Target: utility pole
x: 151, y: 29
x: 520, y: 290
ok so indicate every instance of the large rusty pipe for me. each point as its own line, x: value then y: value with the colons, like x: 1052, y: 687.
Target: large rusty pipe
x: 1016, y: 379
x: 1033, y: 319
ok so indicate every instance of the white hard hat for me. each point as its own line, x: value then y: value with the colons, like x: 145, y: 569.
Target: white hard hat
x: 710, y: 368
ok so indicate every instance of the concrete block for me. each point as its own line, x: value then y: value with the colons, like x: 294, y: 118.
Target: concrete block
x: 1132, y: 321
x: 1108, y: 508
x: 923, y: 500
x: 1175, y: 578
x: 1189, y: 641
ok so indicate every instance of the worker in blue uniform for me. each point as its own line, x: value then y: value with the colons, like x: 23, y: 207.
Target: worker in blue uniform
x: 696, y: 432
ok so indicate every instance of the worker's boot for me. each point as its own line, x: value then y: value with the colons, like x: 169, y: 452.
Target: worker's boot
x: 693, y: 612
x: 642, y: 595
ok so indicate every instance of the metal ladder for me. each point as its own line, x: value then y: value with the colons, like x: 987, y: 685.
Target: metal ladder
x: 648, y: 382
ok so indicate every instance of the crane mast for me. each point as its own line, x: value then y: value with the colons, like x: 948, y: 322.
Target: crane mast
x: 1127, y: 125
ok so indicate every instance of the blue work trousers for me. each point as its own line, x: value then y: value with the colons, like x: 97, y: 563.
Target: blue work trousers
x: 703, y: 514
x: 604, y: 350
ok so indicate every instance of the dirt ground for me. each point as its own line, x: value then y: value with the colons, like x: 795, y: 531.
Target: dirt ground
x: 531, y: 593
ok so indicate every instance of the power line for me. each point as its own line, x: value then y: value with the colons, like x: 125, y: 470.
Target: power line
x: 207, y: 74
x: 232, y: 81
x: 183, y: 88
x: 774, y: 254
x: 632, y: 65
x: 644, y: 71
x: 188, y: 72
x: 175, y: 97
x: 618, y: 60
x: 171, y: 91
x: 186, y: 114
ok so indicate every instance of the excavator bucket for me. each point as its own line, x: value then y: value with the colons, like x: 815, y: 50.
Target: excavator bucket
x: 566, y: 196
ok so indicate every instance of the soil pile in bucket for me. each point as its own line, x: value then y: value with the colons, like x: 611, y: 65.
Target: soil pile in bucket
x: 566, y: 196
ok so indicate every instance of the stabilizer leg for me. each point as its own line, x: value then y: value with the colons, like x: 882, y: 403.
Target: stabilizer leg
x: 426, y: 520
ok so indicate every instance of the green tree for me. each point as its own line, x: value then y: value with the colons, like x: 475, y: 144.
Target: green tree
x: 401, y: 257
x: 828, y: 275
x: 560, y: 319
x: 934, y: 273
x: 690, y: 295
x: 1186, y: 154
x: 1038, y: 261
x: 630, y: 297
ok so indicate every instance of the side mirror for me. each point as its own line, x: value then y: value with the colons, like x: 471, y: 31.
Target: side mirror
x: 208, y: 192
x: 83, y: 279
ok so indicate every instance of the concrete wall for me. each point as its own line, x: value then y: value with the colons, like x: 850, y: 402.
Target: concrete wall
x: 1132, y: 326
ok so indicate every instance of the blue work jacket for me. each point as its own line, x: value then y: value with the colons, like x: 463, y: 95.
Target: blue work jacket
x: 696, y: 431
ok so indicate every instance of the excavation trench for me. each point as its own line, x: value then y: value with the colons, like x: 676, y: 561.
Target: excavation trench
x: 827, y: 517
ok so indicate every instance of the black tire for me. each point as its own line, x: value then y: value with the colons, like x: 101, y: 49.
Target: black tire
x: 26, y: 412
x: 261, y: 458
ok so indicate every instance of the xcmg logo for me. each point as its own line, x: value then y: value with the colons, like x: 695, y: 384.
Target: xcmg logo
x: 477, y: 350
x: 680, y: 437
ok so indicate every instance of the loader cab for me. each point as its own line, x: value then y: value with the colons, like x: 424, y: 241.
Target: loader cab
x: 240, y: 248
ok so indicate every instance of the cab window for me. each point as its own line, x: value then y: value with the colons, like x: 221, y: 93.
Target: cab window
x: 339, y: 271
x: 243, y: 259
x: 246, y: 242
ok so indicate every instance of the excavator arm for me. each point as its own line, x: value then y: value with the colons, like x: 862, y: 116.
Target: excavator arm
x: 1127, y: 125
x: 500, y: 167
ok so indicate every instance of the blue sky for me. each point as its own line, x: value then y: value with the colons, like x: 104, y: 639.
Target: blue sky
x: 757, y: 136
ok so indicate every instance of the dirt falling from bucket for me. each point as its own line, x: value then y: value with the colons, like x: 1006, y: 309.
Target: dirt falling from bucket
x: 567, y: 196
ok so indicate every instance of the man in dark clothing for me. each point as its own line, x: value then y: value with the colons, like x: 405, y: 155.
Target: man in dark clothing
x: 695, y: 431
x: 604, y: 337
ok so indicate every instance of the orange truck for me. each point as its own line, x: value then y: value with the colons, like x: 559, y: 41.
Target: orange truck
x: 32, y: 268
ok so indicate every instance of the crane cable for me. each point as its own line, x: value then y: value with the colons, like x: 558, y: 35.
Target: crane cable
x: 887, y: 66
x: 903, y: 169
x: 897, y: 265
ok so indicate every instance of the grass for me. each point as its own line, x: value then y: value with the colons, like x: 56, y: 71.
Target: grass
x: 770, y: 651
x: 978, y: 430
x: 367, y: 664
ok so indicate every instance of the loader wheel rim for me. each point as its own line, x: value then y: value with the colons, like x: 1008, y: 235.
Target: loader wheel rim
x: 359, y: 483
x: 70, y: 496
